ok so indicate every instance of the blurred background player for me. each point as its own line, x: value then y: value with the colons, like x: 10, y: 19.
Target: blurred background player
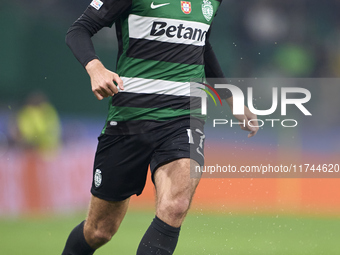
x: 38, y: 124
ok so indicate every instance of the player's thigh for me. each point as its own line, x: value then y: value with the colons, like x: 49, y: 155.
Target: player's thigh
x: 105, y: 216
x: 174, y: 182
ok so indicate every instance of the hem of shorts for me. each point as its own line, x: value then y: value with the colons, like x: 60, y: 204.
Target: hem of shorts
x: 114, y: 199
x: 167, y: 162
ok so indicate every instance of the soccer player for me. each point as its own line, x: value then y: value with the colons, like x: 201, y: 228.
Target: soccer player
x: 162, y: 45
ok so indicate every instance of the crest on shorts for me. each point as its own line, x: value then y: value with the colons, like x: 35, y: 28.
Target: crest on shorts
x: 97, y: 179
x: 207, y: 10
x: 186, y: 7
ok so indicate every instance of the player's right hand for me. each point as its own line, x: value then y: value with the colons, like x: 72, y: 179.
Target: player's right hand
x: 102, y: 80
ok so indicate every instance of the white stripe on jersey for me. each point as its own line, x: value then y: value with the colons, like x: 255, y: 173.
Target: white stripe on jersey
x: 167, y: 30
x: 150, y: 86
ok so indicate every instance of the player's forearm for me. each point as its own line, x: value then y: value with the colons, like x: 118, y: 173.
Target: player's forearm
x: 94, y: 18
x: 229, y: 100
x: 212, y: 67
x: 78, y: 39
x: 213, y: 70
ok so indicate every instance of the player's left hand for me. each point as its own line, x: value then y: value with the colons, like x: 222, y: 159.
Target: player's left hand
x: 251, y: 126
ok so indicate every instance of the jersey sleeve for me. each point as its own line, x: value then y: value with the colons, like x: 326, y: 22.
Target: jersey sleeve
x: 213, y: 69
x: 98, y: 14
x: 106, y: 12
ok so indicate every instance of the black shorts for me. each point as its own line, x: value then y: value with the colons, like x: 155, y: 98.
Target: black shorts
x: 122, y: 161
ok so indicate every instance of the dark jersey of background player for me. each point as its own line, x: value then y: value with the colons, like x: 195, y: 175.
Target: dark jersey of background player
x: 161, y: 47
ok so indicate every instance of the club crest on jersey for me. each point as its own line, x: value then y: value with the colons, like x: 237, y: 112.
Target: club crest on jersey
x: 207, y: 10
x: 186, y: 7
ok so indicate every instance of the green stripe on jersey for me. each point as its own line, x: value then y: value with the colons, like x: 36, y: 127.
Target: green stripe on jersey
x: 159, y: 70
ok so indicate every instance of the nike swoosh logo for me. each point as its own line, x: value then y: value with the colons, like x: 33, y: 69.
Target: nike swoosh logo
x: 155, y: 6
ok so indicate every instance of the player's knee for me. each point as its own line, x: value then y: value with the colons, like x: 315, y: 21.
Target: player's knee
x: 174, y: 208
x: 100, y: 237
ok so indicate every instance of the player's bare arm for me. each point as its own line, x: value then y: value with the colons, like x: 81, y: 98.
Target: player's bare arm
x: 102, y: 80
x: 248, y: 115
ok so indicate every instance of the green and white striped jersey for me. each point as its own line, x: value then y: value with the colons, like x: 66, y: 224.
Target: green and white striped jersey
x: 161, y: 48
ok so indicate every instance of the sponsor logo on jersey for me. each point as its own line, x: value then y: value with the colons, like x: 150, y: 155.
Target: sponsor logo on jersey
x: 186, y: 7
x: 207, y: 10
x: 96, y: 4
x: 160, y: 28
x: 155, y: 6
x: 97, y: 179
x: 168, y: 30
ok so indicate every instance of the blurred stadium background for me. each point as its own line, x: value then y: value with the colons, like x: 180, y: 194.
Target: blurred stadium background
x: 49, y: 121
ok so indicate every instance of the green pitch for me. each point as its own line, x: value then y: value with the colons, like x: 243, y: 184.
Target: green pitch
x: 201, y: 235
